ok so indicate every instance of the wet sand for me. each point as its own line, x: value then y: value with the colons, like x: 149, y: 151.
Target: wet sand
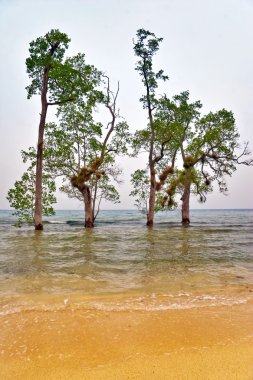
x: 204, y: 343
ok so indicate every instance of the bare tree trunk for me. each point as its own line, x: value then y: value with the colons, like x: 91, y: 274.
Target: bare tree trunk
x: 152, y: 194
x: 186, y: 205
x: 88, y: 208
x: 39, y: 163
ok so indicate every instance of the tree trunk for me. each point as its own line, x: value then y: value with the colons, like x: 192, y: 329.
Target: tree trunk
x: 152, y: 193
x: 186, y: 205
x: 151, y: 208
x: 39, y: 163
x: 88, y: 208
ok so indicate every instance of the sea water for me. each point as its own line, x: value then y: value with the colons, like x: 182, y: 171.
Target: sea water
x: 123, y: 265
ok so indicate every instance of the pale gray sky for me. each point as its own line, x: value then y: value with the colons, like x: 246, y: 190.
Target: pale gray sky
x: 207, y: 49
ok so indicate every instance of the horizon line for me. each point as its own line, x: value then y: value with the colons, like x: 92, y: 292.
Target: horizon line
x: 135, y: 209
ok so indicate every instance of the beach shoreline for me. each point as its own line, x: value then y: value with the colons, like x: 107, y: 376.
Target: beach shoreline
x: 123, y: 302
x: 198, y: 343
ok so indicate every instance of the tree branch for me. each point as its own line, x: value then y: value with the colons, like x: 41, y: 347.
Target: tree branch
x: 57, y: 103
x: 158, y: 158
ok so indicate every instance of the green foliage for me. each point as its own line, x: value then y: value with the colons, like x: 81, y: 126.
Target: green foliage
x: 178, y: 116
x: 45, y: 52
x: 22, y: 196
x: 102, y: 189
x: 58, y: 81
x: 107, y: 190
x: 140, y: 182
x: 176, y: 183
x: 120, y: 140
x: 145, y: 48
x: 214, y: 147
x: 67, y: 80
x: 83, y: 151
x: 156, y: 138
x: 208, y: 146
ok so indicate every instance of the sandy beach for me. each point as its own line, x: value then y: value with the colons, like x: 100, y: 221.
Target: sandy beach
x: 198, y: 343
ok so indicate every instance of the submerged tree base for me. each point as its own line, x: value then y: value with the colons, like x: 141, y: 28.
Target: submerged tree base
x: 39, y: 227
x: 89, y: 224
x: 185, y: 221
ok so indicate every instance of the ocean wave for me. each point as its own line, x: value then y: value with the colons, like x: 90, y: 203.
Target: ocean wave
x: 54, y: 222
x: 143, y: 303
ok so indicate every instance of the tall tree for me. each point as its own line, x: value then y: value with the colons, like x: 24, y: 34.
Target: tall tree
x: 145, y: 48
x: 57, y: 81
x: 83, y: 151
x: 209, y: 148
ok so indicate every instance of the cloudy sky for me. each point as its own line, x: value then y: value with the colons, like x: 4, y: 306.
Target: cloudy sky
x: 207, y: 49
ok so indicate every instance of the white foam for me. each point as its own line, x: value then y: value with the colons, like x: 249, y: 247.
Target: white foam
x: 152, y: 302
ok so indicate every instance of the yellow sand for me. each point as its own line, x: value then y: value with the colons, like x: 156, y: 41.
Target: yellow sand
x: 203, y: 343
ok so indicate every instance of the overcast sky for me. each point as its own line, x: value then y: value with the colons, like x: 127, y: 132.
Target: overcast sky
x: 207, y: 49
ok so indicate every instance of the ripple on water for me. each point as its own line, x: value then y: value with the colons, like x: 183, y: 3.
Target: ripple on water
x: 121, y: 258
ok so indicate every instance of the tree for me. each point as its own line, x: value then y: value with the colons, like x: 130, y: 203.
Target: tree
x: 151, y: 139
x: 83, y: 151
x: 209, y: 148
x: 22, y: 196
x: 57, y: 81
x: 141, y: 185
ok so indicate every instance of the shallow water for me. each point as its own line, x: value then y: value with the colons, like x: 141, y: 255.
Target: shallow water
x: 122, y: 265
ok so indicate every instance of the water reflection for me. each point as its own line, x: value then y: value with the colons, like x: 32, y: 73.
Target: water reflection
x: 185, y: 243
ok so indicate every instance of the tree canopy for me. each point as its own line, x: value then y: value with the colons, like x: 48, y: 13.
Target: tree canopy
x: 151, y: 139
x: 57, y: 81
x: 22, y: 196
x: 208, y: 148
x: 186, y: 152
x: 84, y: 151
